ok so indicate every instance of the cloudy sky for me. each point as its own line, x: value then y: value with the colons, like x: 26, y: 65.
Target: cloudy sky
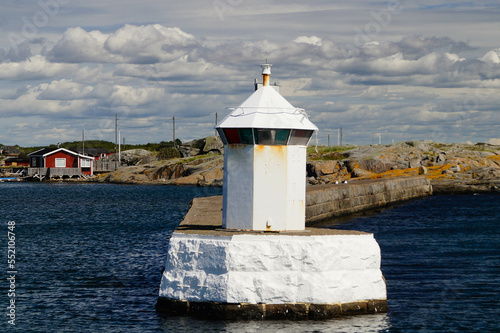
x: 395, y: 70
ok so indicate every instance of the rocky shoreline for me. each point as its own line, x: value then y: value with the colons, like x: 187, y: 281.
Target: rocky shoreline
x: 451, y: 168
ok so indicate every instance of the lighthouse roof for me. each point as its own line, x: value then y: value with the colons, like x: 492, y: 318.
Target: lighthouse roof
x: 266, y: 108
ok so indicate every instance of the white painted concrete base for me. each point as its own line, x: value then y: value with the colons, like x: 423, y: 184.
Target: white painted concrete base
x: 273, y: 269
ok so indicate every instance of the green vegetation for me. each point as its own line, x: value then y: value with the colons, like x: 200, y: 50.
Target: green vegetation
x: 158, y: 146
x: 410, y: 143
x: 479, y: 147
x: 168, y: 153
x: 327, y: 149
x: 327, y: 153
x: 471, y: 147
x: 441, y: 146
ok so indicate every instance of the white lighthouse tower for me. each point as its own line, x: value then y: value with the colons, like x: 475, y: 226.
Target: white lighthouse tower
x: 265, y: 142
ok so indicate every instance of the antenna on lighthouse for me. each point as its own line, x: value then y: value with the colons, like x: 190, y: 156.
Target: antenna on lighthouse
x: 266, y: 73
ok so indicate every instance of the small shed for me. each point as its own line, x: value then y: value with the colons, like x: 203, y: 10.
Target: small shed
x: 17, y: 162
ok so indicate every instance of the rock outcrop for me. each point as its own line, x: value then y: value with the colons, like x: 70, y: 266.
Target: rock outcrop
x: 205, y: 170
x: 467, y: 167
x: 453, y: 167
x: 208, y: 145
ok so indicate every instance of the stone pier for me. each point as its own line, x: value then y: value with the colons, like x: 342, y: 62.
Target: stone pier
x: 334, y: 200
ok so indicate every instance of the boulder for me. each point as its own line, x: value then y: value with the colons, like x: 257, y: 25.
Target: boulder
x: 414, y: 163
x: 374, y: 165
x: 426, y: 161
x: 326, y: 168
x: 441, y: 158
x: 422, y: 170
x: 361, y: 173
x: 213, y: 144
x: 200, y: 143
x: 187, y: 151
x: 455, y: 168
x: 136, y: 156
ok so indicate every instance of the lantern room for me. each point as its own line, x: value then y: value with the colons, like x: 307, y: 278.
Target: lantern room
x: 265, y: 141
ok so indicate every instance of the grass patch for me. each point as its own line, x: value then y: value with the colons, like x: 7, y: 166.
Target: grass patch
x: 441, y: 146
x: 478, y: 147
x: 327, y: 153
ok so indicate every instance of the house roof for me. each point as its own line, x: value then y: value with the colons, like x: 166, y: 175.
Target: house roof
x: 49, y: 151
x: 17, y: 159
x: 266, y: 108
x: 41, y: 152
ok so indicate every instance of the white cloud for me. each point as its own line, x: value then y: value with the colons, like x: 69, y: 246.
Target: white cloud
x: 28, y: 104
x: 313, y: 40
x: 64, y: 90
x: 33, y: 68
x: 78, y: 45
x: 452, y: 57
x: 148, y: 44
x: 492, y: 57
x: 494, y: 141
x: 129, y: 44
x: 180, y: 59
x: 132, y: 97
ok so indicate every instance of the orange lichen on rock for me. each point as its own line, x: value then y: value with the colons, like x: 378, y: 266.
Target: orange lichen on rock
x: 494, y: 157
x: 436, y: 172
x: 397, y: 173
x: 433, y: 172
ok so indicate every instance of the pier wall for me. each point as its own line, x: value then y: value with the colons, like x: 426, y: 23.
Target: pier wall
x: 328, y: 201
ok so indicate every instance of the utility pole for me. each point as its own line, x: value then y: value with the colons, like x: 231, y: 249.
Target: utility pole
x: 341, y: 136
x: 216, y: 123
x: 83, y: 142
x: 116, y: 132
x: 328, y: 140
x: 173, y: 125
x: 119, y: 151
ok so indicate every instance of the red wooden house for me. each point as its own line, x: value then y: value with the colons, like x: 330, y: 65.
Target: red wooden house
x: 59, y: 162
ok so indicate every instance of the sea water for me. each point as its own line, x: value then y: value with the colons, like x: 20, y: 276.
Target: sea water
x: 89, y: 257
